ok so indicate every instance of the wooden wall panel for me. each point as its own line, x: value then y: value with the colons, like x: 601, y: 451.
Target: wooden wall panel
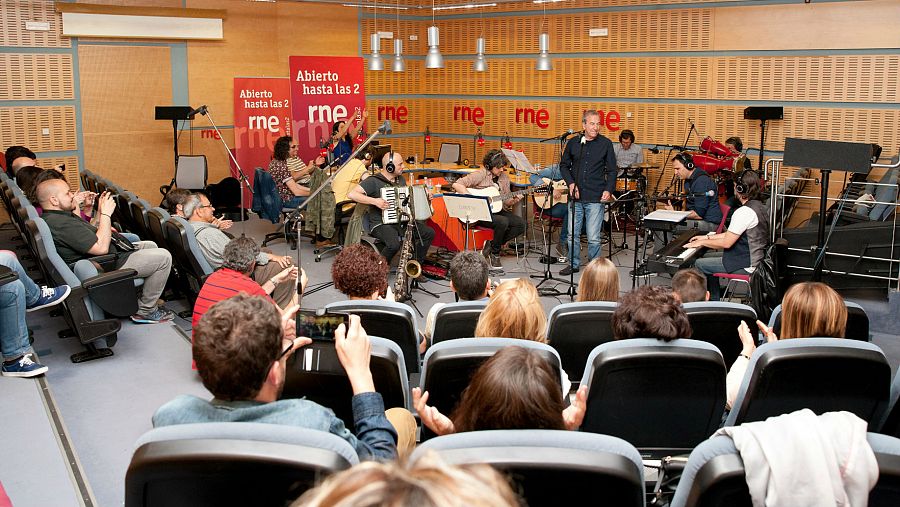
x: 14, y: 14
x: 36, y: 77
x: 24, y: 126
x: 72, y: 167
x: 120, y: 86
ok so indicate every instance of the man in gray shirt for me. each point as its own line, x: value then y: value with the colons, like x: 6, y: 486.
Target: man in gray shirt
x: 627, y: 153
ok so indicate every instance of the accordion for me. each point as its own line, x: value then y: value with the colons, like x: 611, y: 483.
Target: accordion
x: 396, y: 212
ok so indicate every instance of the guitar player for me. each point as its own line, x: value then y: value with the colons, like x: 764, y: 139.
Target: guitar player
x: 506, y: 224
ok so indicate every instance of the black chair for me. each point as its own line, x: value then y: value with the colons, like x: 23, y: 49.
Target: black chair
x: 575, y: 329
x: 139, y: 210
x: 231, y: 463
x: 93, y: 295
x: 821, y: 374
x: 662, y: 397
x: 857, y: 322
x: 714, y: 475
x: 551, y: 467
x: 192, y: 265
x: 123, y: 215
x: 891, y: 423
x: 456, y: 320
x: 315, y: 373
x: 156, y: 217
x: 449, y: 367
x: 394, y: 321
x: 225, y: 196
x: 717, y: 322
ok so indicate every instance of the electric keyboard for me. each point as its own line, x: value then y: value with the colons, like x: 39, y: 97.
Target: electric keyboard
x: 675, y: 256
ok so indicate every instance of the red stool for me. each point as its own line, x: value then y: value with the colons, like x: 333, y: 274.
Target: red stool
x: 733, y: 281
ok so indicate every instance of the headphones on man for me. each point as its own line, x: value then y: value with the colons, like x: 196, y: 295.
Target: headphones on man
x: 687, y: 160
x: 740, y: 186
x: 626, y: 134
x: 390, y: 167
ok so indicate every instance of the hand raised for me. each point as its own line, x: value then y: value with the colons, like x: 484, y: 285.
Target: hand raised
x: 431, y: 416
x: 573, y: 415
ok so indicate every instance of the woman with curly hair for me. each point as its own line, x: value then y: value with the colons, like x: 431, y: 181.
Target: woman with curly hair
x: 650, y: 312
x: 360, y: 272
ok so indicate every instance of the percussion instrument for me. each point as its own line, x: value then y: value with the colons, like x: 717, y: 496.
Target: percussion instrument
x: 713, y: 164
x: 626, y: 184
x: 710, y: 145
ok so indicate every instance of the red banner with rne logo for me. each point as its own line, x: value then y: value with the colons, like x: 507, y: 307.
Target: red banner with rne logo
x: 324, y: 90
x: 262, y: 114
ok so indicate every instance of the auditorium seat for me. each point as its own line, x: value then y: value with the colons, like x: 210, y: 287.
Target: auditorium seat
x: 139, y: 210
x: 315, y: 373
x: 192, y: 265
x: 575, y: 329
x: 821, y: 374
x: 93, y: 294
x: 717, y: 322
x: 457, y: 320
x: 156, y: 217
x: 232, y: 463
x: 449, y: 366
x: 891, y: 423
x: 857, y: 322
x: 662, y: 397
x: 551, y: 467
x: 394, y: 321
x: 714, y: 475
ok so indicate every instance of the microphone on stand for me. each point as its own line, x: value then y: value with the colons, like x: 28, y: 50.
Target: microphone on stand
x: 654, y: 150
x: 385, y: 128
x: 199, y: 110
x: 559, y: 137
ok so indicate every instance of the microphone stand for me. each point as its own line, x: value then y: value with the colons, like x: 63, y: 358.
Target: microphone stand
x: 573, y: 234
x: 386, y: 128
x: 474, y: 163
x: 242, y: 178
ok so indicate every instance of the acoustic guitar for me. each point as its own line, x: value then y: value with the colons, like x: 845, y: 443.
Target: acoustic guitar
x: 542, y: 201
x: 496, y: 198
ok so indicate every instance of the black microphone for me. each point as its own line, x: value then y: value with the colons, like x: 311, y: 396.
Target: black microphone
x: 199, y: 110
x: 559, y: 137
x: 654, y: 150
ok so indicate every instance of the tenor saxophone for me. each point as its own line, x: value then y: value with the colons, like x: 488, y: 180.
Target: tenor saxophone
x: 407, y: 267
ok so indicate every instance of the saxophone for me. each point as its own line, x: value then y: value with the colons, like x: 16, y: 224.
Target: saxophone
x: 407, y: 267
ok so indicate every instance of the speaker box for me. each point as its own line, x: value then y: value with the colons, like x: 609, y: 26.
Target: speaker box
x: 763, y: 113
x: 172, y: 112
x: 833, y: 155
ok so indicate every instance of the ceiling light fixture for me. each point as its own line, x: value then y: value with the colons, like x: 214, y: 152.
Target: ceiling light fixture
x: 376, y: 62
x: 544, y: 62
x: 433, y: 60
x: 398, y: 65
x: 480, y: 64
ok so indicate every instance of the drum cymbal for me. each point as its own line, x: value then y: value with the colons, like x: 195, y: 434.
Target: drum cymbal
x: 644, y: 166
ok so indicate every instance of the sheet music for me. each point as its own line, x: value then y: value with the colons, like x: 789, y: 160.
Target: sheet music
x: 518, y: 160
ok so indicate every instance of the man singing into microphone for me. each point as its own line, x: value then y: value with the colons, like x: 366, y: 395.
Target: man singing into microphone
x: 702, y: 199
x: 589, y: 167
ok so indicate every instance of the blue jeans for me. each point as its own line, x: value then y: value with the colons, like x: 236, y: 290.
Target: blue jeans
x: 14, y: 299
x: 710, y: 264
x: 295, y: 201
x: 594, y: 222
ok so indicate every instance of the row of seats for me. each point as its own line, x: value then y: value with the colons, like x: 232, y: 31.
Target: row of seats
x: 100, y: 294
x: 663, y: 398
x: 264, y: 464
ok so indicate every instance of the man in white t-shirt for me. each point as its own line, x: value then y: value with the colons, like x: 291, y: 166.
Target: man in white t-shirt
x: 743, y: 244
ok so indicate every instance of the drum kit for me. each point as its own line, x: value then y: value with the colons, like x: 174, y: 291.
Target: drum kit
x: 718, y: 159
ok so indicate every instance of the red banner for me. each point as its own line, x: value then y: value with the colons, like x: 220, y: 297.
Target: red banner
x: 262, y: 114
x: 324, y: 90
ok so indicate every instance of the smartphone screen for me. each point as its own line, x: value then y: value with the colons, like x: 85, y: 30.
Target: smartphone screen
x: 312, y: 324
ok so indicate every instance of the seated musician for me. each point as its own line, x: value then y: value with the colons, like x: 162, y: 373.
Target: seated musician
x: 369, y: 192
x: 351, y: 174
x: 743, y: 244
x: 702, y: 199
x: 627, y: 153
x: 560, y: 208
x: 506, y: 224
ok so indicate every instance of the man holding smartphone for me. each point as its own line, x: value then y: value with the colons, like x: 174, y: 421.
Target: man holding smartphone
x: 241, y: 346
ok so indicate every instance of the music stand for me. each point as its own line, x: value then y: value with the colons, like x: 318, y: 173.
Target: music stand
x: 518, y: 160
x: 468, y: 209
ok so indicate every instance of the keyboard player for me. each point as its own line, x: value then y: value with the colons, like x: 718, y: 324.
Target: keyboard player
x: 702, y: 200
x: 369, y: 192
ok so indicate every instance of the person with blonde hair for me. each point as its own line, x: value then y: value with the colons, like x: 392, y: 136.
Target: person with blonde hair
x: 600, y: 281
x: 514, y: 311
x: 427, y: 482
x: 808, y: 310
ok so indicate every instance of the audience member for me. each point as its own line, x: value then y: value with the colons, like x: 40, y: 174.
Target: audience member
x: 241, y: 347
x: 76, y: 239
x: 174, y: 204
x: 238, y: 263
x: 808, y: 310
x: 650, y: 312
x: 429, y: 482
x: 515, y: 389
x: 689, y: 285
x: 25, y: 180
x: 291, y: 192
x: 600, y: 281
x: 469, y: 278
x: 514, y: 311
x: 16, y: 298
x: 212, y: 242
x: 359, y: 272
x: 18, y: 157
